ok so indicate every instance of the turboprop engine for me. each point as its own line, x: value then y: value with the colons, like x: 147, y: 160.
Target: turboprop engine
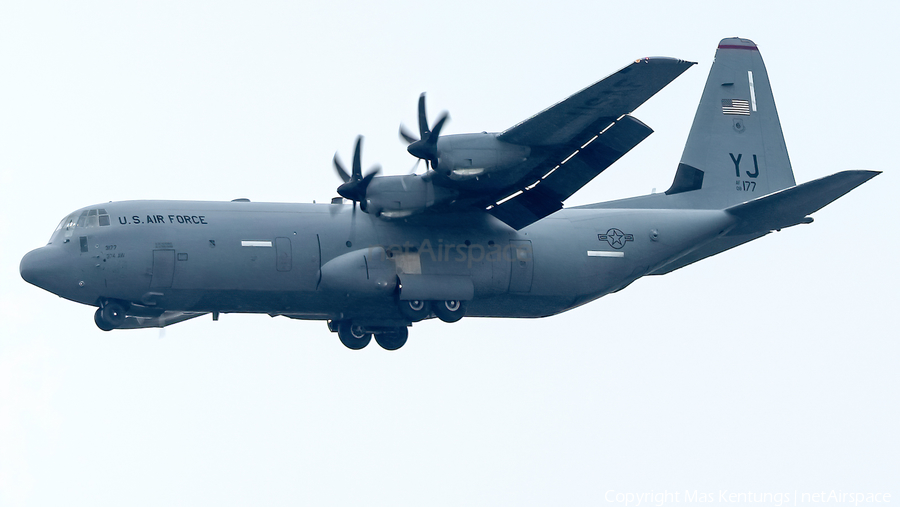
x: 388, y: 196
x: 462, y: 156
x: 402, y: 196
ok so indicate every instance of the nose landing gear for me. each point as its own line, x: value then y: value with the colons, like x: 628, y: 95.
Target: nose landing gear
x: 110, y: 315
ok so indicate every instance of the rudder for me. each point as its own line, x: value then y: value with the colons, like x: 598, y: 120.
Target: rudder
x: 735, y: 151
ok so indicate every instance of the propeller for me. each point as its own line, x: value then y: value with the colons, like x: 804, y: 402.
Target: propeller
x: 425, y: 147
x: 355, y: 184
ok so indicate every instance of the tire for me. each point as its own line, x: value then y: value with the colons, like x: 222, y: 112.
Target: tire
x: 449, y: 311
x: 98, y: 319
x: 112, y: 313
x: 353, y: 337
x: 392, y: 340
x: 414, y: 310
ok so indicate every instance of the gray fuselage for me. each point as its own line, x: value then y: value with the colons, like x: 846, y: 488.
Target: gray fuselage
x: 319, y: 261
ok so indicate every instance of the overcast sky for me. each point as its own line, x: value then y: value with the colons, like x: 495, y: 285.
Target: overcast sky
x: 768, y: 369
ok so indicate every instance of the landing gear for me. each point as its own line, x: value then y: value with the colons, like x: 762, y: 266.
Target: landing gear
x: 356, y: 337
x: 110, y: 315
x: 353, y: 337
x: 98, y: 319
x: 414, y: 310
x: 449, y: 311
x: 394, y: 339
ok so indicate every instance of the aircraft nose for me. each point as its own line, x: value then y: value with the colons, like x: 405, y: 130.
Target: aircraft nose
x: 40, y: 267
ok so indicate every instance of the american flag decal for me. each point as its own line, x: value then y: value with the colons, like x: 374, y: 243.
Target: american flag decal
x: 736, y: 106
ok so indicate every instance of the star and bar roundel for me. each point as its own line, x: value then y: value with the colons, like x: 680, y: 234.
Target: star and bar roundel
x: 616, y: 238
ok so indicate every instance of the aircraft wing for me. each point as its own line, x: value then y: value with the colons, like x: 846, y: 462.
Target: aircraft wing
x: 574, y: 120
x: 578, y: 138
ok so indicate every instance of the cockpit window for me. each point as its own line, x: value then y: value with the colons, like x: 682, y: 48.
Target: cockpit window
x: 86, y: 218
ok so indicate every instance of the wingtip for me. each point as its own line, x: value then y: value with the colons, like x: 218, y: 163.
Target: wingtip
x: 664, y: 59
x: 871, y: 174
x: 866, y: 172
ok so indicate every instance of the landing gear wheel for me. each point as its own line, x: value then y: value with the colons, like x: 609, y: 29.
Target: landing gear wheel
x: 113, y: 314
x: 110, y: 316
x: 392, y: 340
x: 98, y: 319
x: 353, y: 337
x: 449, y: 311
x: 414, y: 310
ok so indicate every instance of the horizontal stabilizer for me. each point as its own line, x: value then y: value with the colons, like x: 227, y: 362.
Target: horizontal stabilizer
x: 775, y: 211
x: 791, y: 206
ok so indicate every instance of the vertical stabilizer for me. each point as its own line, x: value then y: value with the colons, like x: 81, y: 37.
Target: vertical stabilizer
x: 735, y: 151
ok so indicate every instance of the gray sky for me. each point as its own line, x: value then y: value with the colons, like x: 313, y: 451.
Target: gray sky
x: 768, y: 369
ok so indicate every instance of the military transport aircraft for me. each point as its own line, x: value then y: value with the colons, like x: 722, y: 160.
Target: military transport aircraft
x: 481, y: 233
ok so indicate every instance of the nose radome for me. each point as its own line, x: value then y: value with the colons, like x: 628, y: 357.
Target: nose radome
x: 40, y: 267
x: 28, y: 267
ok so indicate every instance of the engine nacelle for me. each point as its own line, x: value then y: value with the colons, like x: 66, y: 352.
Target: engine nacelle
x: 400, y: 196
x: 462, y: 156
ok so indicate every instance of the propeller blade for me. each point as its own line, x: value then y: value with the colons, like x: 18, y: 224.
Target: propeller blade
x: 437, y: 128
x: 423, y: 119
x: 355, y: 189
x: 426, y: 148
x: 355, y: 185
x: 340, y: 169
x: 357, y: 164
x: 364, y: 183
x: 406, y: 136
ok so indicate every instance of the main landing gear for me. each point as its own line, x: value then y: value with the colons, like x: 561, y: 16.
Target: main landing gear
x: 392, y: 340
x: 353, y: 337
x: 447, y: 311
x: 356, y: 337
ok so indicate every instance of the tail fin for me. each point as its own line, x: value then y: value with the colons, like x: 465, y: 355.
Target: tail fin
x: 735, y: 151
